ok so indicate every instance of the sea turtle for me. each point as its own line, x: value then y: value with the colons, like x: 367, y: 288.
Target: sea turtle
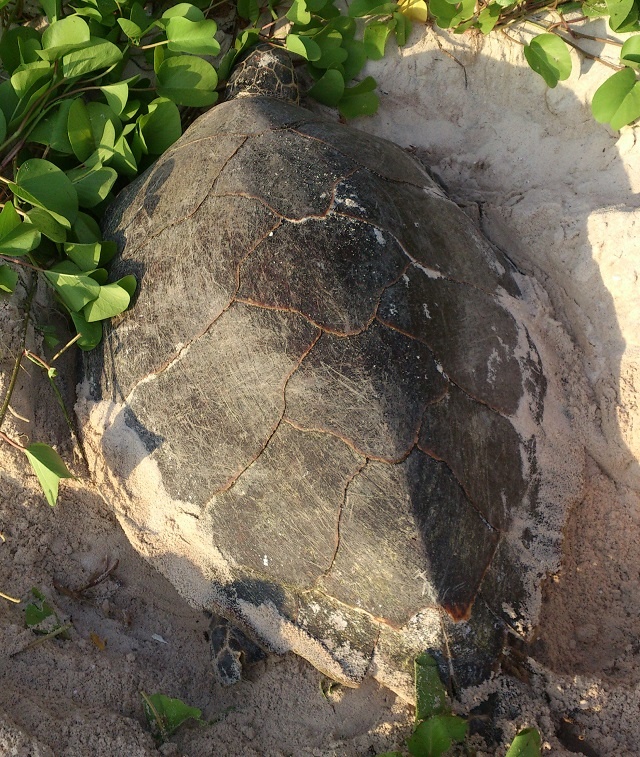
x: 322, y: 414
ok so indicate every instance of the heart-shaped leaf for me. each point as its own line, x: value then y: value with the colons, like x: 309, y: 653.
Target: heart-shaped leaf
x: 630, y: 53
x: 62, y: 36
x: 97, y: 54
x: 526, y: 744
x: 187, y: 80
x: 45, y: 186
x: 360, y: 100
x: 375, y: 38
x: 49, y: 467
x: 304, y: 46
x: 161, y: 127
x: 617, y: 100
x: 75, y: 290
x: 8, y: 278
x: 112, y: 300
x: 434, y: 737
x: 548, y: 55
x: 92, y: 184
x: 329, y: 88
x: 196, y: 37
x: 90, y: 333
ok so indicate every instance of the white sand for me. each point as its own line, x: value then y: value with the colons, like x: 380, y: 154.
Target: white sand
x: 558, y: 192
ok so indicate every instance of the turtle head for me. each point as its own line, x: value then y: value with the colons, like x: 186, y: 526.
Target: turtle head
x: 266, y: 71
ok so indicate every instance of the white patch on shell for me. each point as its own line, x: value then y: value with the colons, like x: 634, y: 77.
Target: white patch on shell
x: 337, y: 621
x: 267, y: 59
x: 349, y: 202
x: 379, y: 236
x: 492, y: 366
x: 425, y: 310
x: 430, y: 272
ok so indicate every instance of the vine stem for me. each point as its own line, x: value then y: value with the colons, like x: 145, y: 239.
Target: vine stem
x: 10, y: 441
x: 564, y: 39
x: 18, y: 360
x: 12, y: 259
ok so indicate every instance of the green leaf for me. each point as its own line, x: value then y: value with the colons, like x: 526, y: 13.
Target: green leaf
x: 85, y: 230
x: 129, y: 284
x: 8, y: 99
x: 92, y: 184
x: 112, y: 299
x: 434, y: 737
x: 595, y: 8
x: 51, y: 9
x: 46, y: 224
x: 99, y: 275
x: 52, y: 130
x: 332, y: 54
x: 303, y: 46
x: 9, y: 219
x: 345, y: 26
x: 92, y: 255
x: 403, y: 28
x: 29, y: 76
x: 16, y: 237
x: 617, y: 100
x: 488, y: 18
x: 226, y: 63
x: 249, y: 10
x: 359, y: 8
x: 8, y: 278
x: 299, y: 13
x: 448, y: 14
x: 92, y: 127
x: 329, y: 88
x: 20, y: 241
x: 166, y: 715
x: 45, y: 186
x: 116, y: 96
x: 621, y: 13
x: 97, y: 54
x: 123, y: 159
x: 75, y: 290
x: 131, y: 29
x: 48, y: 467
x: 184, y: 10
x: 359, y: 100
x: 431, y: 696
x: 187, y: 81
x: 375, y: 38
x: 90, y: 333
x: 37, y: 611
x: 356, y: 59
x: 196, y: 37
x: 161, y: 127
x: 62, y: 36
x: 10, y: 43
x: 630, y: 53
x: 526, y: 744
x: 548, y: 55
x: 79, y: 130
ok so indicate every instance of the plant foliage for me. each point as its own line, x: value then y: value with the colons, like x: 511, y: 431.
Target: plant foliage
x: 92, y: 92
x: 165, y: 715
x: 437, y: 729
